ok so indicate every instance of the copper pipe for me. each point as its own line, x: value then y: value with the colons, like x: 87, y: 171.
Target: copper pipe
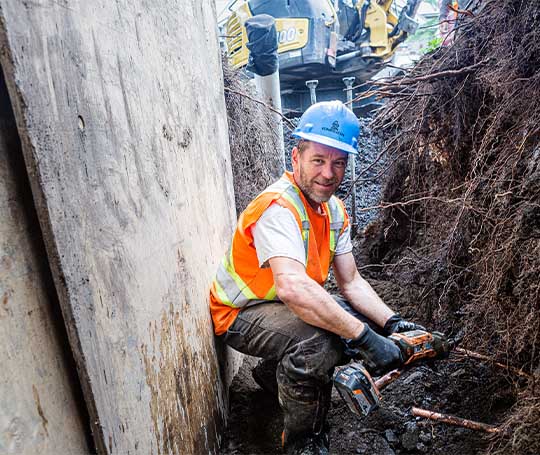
x: 452, y: 420
x: 388, y: 378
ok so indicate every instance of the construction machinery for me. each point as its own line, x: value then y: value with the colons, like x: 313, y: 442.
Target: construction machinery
x: 320, y: 42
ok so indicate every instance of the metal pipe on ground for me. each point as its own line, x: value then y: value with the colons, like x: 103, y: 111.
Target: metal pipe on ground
x: 387, y: 379
x: 453, y: 420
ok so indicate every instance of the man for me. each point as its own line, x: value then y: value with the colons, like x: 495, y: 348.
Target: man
x: 268, y: 298
x: 448, y: 18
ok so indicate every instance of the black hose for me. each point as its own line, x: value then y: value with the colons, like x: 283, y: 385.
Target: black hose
x: 355, y: 29
x: 363, y: 15
x: 352, y: 27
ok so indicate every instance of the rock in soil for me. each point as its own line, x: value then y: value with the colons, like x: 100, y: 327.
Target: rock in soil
x: 391, y: 436
x: 409, y: 439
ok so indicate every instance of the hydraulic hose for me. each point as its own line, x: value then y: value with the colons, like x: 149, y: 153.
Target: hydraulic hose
x: 409, y: 10
x: 363, y: 15
x: 358, y: 23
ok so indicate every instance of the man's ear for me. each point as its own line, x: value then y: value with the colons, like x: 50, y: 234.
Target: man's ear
x: 294, y: 156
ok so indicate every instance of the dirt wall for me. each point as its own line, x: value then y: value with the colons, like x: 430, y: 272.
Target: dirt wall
x: 461, y: 222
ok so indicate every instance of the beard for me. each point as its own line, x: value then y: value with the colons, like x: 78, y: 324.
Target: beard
x: 314, y: 192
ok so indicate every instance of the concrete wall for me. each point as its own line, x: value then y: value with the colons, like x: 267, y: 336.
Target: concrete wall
x: 38, y: 386
x: 120, y: 110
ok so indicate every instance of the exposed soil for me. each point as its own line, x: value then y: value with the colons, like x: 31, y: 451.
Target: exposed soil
x: 457, y: 386
x: 456, y: 246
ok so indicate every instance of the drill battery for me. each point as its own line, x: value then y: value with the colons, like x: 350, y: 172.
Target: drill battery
x: 357, y: 389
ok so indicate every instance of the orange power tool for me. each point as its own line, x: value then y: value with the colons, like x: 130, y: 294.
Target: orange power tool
x: 361, y: 392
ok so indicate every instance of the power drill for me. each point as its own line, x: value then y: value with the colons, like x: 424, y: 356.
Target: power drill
x: 355, y: 384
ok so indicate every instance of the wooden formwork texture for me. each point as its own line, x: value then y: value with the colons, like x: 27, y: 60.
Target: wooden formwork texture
x: 38, y: 400
x: 119, y: 107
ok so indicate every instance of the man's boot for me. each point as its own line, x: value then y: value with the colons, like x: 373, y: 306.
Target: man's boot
x: 309, y: 445
x: 264, y: 375
x: 305, y: 409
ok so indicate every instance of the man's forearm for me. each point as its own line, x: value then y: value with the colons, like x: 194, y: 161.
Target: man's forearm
x: 311, y: 303
x: 364, y: 299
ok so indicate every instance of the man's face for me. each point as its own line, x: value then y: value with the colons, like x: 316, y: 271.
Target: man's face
x: 318, y: 170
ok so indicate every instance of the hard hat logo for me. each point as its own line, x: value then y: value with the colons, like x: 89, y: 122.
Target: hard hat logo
x: 334, y: 129
x: 330, y: 123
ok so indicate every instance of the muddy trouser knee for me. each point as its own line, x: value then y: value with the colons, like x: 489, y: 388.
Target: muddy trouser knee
x: 306, y: 357
x: 305, y: 384
x: 309, y: 405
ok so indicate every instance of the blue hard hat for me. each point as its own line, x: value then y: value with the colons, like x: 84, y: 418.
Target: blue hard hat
x: 330, y: 123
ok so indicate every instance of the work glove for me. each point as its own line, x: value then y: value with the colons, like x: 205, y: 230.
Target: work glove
x: 378, y: 354
x: 396, y: 324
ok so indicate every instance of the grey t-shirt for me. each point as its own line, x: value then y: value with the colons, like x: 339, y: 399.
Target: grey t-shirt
x: 277, y: 234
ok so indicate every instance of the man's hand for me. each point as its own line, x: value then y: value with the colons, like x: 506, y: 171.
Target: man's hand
x: 378, y: 353
x: 397, y: 324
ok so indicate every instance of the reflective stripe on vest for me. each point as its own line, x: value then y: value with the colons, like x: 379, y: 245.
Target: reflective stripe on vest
x: 336, y: 215
x: 231, y: 288
x: 291, y: 194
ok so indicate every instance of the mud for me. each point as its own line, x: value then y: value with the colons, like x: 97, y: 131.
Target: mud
x: 458, y: 386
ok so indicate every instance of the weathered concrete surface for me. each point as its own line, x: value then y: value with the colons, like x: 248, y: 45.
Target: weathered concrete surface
x: 121, y: 114
x: 38, y: 412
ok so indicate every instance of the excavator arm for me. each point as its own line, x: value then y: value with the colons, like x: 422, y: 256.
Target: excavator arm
x: 377, y: 30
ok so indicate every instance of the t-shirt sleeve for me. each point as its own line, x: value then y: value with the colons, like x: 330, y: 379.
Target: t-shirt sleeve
x: 277, y: 234
x: 344, y: 244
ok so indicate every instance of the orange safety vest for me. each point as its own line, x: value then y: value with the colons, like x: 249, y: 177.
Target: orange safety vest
x: 240, y: 282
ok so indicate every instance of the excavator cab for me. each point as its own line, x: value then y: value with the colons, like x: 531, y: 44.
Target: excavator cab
x: 325, y: 40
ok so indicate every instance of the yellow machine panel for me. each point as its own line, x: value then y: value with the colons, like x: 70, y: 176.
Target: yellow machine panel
x: 323, y: 40
x: 236, y: 36
x: 292, y: 33
x: 380, y: 21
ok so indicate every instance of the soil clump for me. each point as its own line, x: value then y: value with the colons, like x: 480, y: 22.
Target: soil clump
x: 460, y: 224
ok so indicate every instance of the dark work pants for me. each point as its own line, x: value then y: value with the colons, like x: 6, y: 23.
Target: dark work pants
x: 306, y: 357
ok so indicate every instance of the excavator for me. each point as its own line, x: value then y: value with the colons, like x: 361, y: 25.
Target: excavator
x: 320, y: 42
